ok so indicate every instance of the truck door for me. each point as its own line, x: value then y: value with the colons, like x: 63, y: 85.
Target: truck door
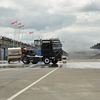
x: 46, y: 49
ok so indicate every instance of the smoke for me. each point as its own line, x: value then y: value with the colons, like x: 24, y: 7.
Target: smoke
x: 79, y: 55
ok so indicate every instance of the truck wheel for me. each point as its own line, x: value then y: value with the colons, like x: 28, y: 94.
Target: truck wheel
x: 34, y: 62
x: 25, y: 60
x: 54, y: 62
x: 19, y: 60
x: 46, y: 60
x: 9, y: 61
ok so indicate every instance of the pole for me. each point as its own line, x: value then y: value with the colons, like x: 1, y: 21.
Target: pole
x: 15, y: 33
x: 18, y: 37
x: 22, y: 35
x: 32, y: 38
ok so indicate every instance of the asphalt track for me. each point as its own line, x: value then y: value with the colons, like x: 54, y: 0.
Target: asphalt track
x: 50, y: 82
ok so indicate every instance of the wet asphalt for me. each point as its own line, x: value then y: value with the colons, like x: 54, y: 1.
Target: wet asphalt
x: 20, y: 81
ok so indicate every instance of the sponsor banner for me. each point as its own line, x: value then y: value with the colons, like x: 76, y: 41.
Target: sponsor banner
x: 0, y: 41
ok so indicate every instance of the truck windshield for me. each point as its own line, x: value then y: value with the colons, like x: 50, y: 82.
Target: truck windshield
x: 37, y: 42
x: 57, y: 46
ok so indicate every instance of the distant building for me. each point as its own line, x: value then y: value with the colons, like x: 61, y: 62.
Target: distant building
x: 97, y: 53
x: 6, y: 43
x: 97, y: 46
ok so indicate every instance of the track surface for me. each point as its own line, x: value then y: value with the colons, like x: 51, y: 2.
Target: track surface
x: 50, y: 82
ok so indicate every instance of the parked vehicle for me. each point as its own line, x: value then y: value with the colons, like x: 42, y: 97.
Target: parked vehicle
x: 14, y: 54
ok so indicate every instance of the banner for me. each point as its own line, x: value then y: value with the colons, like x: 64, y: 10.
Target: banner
x: 30, y: 32
x: 13, y: 22
x: 21, y: 26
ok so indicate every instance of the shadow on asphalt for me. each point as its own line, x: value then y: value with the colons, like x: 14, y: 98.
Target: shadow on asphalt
x: 53, y: 65
x: 21, y: 65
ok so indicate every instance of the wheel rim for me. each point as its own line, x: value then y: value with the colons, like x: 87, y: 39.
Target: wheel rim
x: 46, y: 60
x: 25, y: 60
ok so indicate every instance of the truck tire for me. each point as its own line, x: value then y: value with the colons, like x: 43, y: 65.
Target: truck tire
x: 25, y: 60
x: 54, y: 62
x: 34, y: 62
x: 46, y: 60
x: 9, y: 61
x: 19, y: 60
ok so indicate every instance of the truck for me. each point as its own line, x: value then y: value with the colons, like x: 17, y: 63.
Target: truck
x: 50, y: 51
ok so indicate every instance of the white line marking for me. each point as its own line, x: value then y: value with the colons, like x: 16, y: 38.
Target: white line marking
x: 18, y: 93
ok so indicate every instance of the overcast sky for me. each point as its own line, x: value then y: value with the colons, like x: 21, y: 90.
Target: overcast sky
x: 75, y: 22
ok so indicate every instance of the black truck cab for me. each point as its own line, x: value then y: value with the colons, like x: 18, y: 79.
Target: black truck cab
x: 51, y: 50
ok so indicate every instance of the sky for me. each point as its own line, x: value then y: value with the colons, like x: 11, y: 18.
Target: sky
x: 75, y: 22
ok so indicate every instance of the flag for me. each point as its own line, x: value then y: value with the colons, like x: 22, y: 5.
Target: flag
x: 21, y: 26
x: 30, y: 32
x: 39, y: 37
x: 13, y: 22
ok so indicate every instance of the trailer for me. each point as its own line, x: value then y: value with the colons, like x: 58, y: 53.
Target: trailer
x: 51, y: 51
x: 14, y: 54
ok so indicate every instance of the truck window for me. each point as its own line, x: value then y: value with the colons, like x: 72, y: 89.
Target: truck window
x: 37, y: 42
x: 57, y: 46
